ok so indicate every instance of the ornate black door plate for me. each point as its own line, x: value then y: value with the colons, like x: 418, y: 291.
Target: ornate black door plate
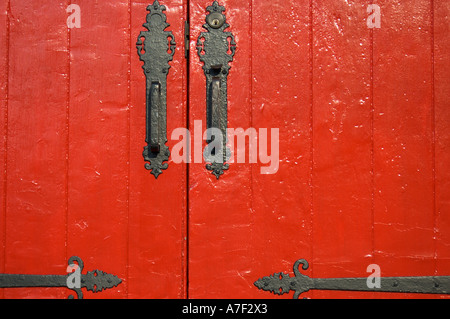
x: 156, y: 48
x: 216, y: 49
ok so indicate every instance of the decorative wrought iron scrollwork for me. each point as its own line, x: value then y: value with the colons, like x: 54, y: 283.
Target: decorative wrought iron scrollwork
x: 281, y: 283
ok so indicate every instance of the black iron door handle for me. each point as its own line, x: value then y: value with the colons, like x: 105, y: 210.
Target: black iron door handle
x: 154, y: 100
x: 156, y: 48
x: 216, y: 49
x: 214, y: 106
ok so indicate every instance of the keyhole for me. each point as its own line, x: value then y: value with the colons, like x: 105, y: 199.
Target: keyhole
x: 215, y: 20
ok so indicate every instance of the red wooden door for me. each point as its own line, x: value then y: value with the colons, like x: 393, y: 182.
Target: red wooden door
x: 361, y: 178
x: 73, y: 130
x: 361, y: 113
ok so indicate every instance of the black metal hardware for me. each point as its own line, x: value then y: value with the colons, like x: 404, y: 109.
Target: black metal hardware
x: 187, y: 39
x: 281, y: 283
x: 95, y: 281
x: 216, y: 49
x: 156, y: 48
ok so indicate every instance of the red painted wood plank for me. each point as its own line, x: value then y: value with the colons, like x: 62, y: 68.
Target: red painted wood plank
x: 342, y: 143
x: 281, y: 98
x: 99, y: 140
x: 37, y: 150
x: 220, y: 212
x: 4, y: 69
x: 442, y: 127
x: 403, y: 141
x: 157, y: 208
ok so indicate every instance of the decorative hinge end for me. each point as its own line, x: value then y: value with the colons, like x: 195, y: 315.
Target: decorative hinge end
x: 217, y: 169
x: 156, y: 163
x: 97, y: 281
x: 277, y: 283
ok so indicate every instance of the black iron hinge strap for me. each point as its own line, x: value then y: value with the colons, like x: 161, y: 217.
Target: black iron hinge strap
x: 281, y: 283
x: 95, y: 281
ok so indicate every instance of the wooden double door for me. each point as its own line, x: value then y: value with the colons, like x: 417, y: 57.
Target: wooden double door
x: 362, y: 172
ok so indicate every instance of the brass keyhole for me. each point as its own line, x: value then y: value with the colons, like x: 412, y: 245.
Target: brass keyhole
x: 215, y: 20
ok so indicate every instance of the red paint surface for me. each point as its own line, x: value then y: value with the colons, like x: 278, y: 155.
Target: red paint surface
x: 441, y: 83
x: 36, y: 166
x: 404, y: 214
x: 3, y: 126
x: 363, y: 178
x: 342, y: 181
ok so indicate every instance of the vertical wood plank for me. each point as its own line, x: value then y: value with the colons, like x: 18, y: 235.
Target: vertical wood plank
x: 220, y: 212
x: 442, y: 127
x: 342, y: 139
x: 403, y: 140
x: 157, y: 231
x: 281, y: 99
x: 37, y: 95
x: 4, y: 68
x: 98, y: 141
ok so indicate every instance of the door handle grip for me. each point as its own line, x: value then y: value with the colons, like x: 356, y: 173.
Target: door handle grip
x: 153, y: 108
x: 214, y: 106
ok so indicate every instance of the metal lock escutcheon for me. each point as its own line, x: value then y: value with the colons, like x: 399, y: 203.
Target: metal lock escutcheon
x: 216, y: 49
x: 156, y: 48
